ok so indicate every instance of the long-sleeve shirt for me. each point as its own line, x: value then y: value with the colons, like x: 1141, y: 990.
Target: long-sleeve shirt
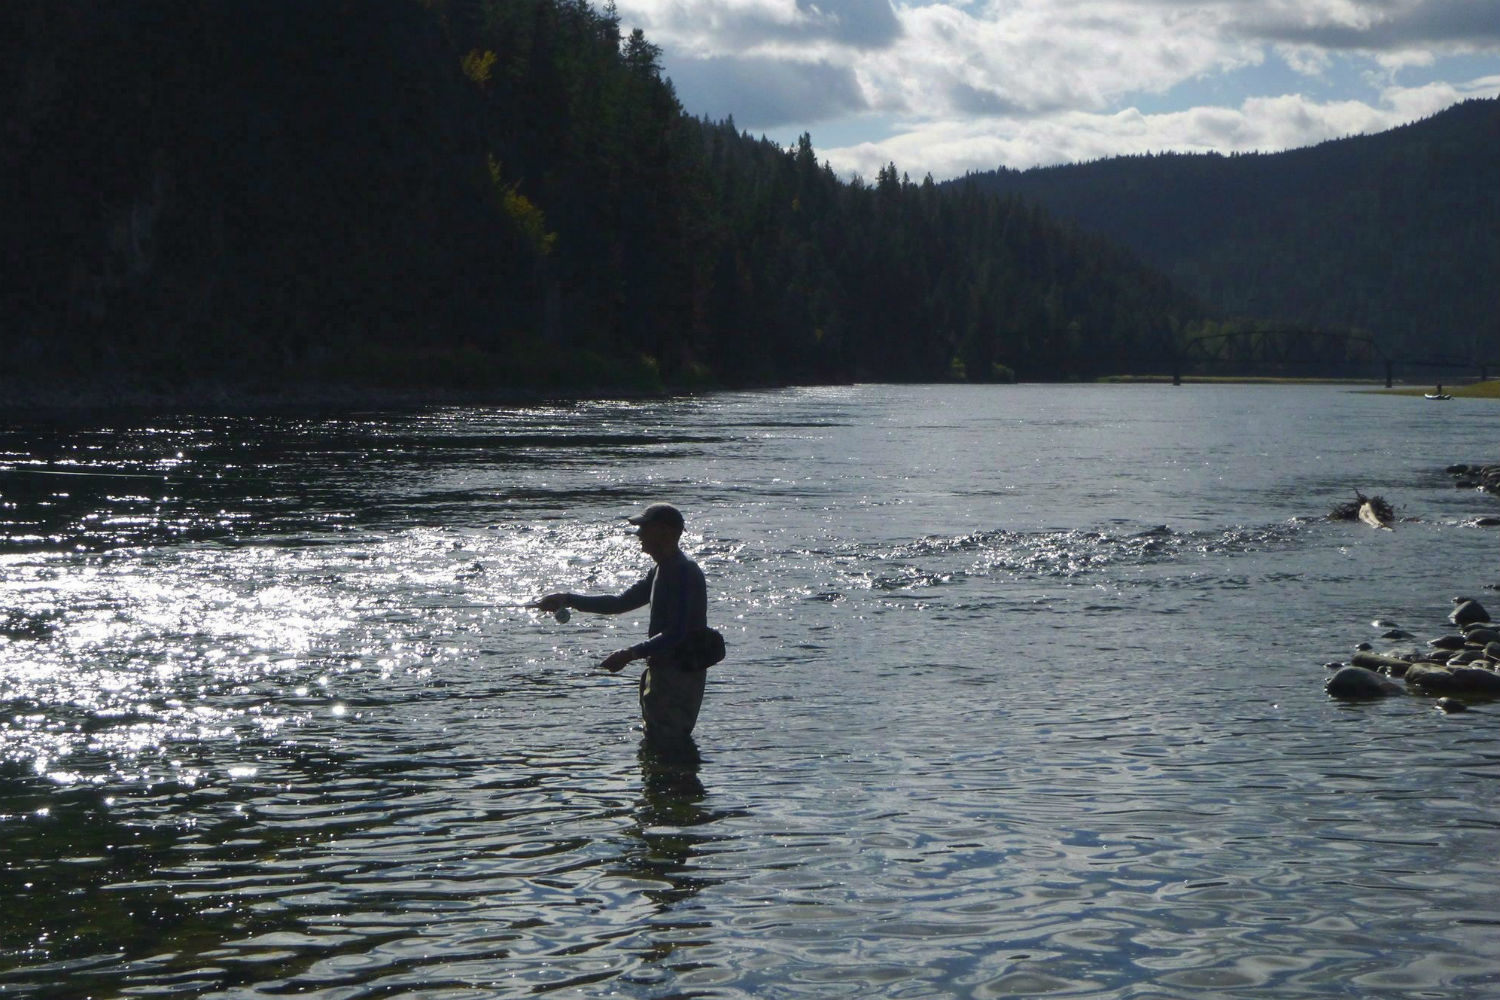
x: 677, y: 593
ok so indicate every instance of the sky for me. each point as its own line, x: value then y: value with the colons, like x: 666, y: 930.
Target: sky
x: 953, y: 86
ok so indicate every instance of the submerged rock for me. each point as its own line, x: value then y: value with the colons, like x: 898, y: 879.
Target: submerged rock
x: 1477, y: 680
x: 1468, y: 612
x: 1472, y: 477
x: 1431, y: 678
x: 1393, y: 665
x: 1360, y: 683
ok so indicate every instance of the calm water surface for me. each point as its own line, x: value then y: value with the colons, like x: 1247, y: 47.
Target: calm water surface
x: 1024, y: 699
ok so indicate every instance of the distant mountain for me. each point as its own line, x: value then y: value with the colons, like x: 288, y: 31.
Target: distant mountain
x: 1397, y: 233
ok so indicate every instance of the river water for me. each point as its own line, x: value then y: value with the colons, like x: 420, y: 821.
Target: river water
x: 1024, y: 698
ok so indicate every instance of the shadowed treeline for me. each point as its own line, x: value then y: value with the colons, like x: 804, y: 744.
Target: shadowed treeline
x: 486, y: 194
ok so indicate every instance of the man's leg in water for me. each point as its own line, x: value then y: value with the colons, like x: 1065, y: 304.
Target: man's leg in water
x: 670, y: 699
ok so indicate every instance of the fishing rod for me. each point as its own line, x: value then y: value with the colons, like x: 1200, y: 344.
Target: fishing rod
x: 561, y: 614
x: 70, y: 472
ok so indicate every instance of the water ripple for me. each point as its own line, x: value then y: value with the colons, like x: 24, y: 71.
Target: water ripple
x: 273, y: 723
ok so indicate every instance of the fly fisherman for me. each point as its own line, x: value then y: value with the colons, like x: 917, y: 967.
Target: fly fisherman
x: 671, y: 686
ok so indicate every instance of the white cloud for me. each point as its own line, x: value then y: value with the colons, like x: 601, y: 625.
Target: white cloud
x: 952, y: 147
x: 1306, y: 60
x: 1410, y: 103
x: 704, y: 29
x: 1027, y: 56
x: 1011, y: 56
x: 982, y: 82
x: 1378, y: 25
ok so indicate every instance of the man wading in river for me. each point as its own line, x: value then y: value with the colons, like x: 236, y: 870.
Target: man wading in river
x: 672, y: 683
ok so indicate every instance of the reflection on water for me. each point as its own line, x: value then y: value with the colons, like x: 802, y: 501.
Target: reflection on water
x: 1023, y: 698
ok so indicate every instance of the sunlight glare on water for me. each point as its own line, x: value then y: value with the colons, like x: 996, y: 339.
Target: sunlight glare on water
x: 1024, y: 698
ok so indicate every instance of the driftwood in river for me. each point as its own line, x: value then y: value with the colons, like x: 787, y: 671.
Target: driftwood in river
x: 1373, y: 511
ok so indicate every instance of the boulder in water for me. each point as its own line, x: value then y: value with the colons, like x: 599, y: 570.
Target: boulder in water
x: 1477, y: 680
x: 1360, y: 683
x: 1468, y: 612
x: 1393, y: 665
x: 1471, y: 681
x: 1431, y: 678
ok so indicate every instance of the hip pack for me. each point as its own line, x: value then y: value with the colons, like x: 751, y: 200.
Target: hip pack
x: 701, y: 649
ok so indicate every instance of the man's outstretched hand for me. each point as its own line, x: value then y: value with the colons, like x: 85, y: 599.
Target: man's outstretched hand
x: 617, y: 660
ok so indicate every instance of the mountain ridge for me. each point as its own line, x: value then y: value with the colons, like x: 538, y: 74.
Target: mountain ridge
x: 1396, y: 233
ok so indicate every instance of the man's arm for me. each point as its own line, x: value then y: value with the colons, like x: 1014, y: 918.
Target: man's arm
x: 637, y: 596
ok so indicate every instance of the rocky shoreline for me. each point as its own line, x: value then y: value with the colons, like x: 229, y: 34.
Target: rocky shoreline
x: 1476, y: 477
x: 1458, y: 668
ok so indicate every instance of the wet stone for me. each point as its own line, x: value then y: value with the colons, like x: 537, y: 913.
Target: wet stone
x: 1431, y: 678
x: 1468, y: 611
x: 1359, y: 683
x: 1476, y: 680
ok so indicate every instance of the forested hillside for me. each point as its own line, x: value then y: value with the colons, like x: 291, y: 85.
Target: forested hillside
x: 486, y: 193
x: 1396, y: 233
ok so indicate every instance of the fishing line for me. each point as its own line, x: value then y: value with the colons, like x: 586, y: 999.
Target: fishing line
x: 158, y: 476
x: 561, y: 614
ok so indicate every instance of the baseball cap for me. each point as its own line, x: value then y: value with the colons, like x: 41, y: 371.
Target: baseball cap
x: 659, y: 513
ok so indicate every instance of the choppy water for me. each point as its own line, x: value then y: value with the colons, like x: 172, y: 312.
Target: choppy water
x: 1024, y: 698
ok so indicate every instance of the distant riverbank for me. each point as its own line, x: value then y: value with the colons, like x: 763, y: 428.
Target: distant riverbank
x: 211, y: 397
x: 1238, y: 380
x: 1488, y: 389
x: 226, y: 397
